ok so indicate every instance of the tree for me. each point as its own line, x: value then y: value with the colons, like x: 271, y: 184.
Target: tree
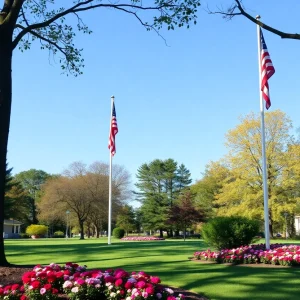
x: 32, y: 181
x: 237, y: 9
x: 209, y: 187
x: 159, y: 184
x: 16, y: 199
x: 184, y: 214
x: 84, y: 192
x: 126, y: 219
x: 23, y: 22
x: 242, y: 192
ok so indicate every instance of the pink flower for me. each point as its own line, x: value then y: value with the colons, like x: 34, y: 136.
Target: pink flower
x: 155, y: 280
x: 118, y: 282
x: 140, y: 284
x: 43, y: 291
x: 150, y: 290
x: 67, y: 284
x: 80, y: 281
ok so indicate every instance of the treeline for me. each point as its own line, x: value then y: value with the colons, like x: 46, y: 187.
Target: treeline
x: 169, y: 202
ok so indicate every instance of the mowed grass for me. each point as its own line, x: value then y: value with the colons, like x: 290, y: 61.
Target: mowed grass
x: 167, y: 259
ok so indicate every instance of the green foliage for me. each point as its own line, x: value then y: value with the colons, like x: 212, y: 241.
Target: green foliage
x: 37, y: 230
x: 126, y: 219
x: 229, y: 232
x: 160, y: 182
x: 58, y: 234
x: 118, y: 232
x: 24, y: 236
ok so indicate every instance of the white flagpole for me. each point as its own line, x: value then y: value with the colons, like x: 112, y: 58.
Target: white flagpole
x: 110, y: 180
x: 263, y: 146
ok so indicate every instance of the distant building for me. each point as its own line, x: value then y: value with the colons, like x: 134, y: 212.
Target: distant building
x: 12, y: 229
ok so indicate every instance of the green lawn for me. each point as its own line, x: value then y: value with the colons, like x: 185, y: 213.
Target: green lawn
x: 167, y: 259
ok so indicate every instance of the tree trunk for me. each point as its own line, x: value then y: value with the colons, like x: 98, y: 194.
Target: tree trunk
x: 161, y: 234
x: 81, y: 230
x: 5, y: 108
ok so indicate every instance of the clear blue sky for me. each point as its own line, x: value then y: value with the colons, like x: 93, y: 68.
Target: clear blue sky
x: 174, y: 101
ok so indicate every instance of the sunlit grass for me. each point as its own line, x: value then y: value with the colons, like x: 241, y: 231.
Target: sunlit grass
x: 168, y: 259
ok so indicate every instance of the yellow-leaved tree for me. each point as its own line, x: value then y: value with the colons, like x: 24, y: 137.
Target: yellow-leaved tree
x: 240, y: 192
x: 243, y: 193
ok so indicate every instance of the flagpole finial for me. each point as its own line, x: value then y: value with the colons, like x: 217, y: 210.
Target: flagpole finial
x: 257, y: 17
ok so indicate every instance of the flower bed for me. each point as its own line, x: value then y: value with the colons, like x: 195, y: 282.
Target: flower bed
x: 286, y: 255
x: 75, y: 282
x: 142, y: 238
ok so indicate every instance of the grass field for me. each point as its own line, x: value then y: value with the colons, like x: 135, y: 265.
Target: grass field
x: 167, y: 259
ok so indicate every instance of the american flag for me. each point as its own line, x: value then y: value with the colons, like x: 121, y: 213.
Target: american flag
x: 113, y: 131
x: 267, y: 70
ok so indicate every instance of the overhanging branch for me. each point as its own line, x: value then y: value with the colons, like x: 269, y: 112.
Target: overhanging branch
x: 232, y: 12
x: 84, y: 6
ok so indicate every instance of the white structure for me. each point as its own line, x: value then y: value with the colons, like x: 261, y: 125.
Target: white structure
x: 12, y: 228
x: 297, y: 225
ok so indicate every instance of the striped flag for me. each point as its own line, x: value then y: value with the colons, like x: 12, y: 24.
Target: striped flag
x: 113, y: 131
x: 267, y: 70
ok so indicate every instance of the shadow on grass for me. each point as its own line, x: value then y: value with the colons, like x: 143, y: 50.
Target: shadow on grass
x: 168, y: 260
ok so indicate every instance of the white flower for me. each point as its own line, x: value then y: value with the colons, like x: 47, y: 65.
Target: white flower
x: 170, y: 291
x: 113, y: 294
x: 159, y: 295
x: 75, y: 289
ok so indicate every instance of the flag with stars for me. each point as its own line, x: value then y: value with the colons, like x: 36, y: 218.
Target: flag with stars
x: 113, y: 131
x: 267, y: 70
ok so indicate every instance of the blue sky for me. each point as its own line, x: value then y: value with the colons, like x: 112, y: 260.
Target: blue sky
x: 176, y: 101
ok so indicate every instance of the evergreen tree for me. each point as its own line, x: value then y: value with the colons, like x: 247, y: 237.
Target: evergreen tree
x: 159, y: 184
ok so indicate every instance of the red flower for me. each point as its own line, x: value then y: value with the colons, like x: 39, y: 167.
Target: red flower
x: 128, y: 285
x: 119, y: 282
x: 59, y: 274
x: 23, y: 297
x: 7, y: 288
x: 35, y: 284
x: 54, y: 291
x: 67, y: 272
x: 15, y: 287
x: 51, y: 277
x: 26, y: 278
x: 1, y: 291
x: 47, y: 286
x: 109, y: 279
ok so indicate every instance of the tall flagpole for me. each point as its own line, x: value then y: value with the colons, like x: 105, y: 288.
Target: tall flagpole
x: 263, y: 146
x: 110, y: 180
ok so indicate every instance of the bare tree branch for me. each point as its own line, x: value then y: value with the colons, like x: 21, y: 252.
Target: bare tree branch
x: 237, y: 10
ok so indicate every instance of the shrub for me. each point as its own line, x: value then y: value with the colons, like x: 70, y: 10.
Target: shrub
x: 118, y: 233
x: 24, y: 236
x: 229, y: 232
x: 58, y: 234
x: 36, y: 230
